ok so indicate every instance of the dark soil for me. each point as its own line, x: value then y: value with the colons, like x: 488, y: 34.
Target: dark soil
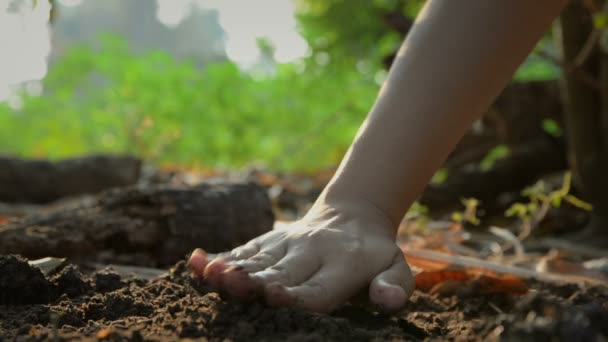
x: 100, y: 305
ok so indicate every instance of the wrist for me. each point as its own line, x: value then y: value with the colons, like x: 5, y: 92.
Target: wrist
x: 336, y: 202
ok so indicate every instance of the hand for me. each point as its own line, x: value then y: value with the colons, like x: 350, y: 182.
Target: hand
x: 316, y: 263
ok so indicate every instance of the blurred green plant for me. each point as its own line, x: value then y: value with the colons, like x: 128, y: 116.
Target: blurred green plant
x: 469, y: 212
x: 495, y: 154
x: 168, y: 111
x: 552, y: 128
x: 440, y: 176
x: 303, y: 116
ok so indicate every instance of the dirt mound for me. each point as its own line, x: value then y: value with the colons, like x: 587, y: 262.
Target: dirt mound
x: 22, y: 284
x: 70, y: 305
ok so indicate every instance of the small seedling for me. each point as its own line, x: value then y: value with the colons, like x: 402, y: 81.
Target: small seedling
x: 469, y: 214
x: 540, y: 201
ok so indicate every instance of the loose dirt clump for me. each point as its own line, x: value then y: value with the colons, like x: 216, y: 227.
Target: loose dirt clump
x: 71, y: 282
x: 22, y: 284
x: 107, y: 280
x: 101, y: 305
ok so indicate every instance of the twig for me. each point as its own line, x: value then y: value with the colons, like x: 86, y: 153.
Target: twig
x: 585, y: 52
x: 577, y: 72
x: 496, y: 308
x: 513, y: 240
x: 567, y: 246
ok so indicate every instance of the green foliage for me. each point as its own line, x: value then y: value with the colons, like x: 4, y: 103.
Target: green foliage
x: 600, y: 20
x: 552, y: 127
x: 440, y: 176
x: 419, y: 214
x: 169, y: 111
x: 351, y: 31
x: 540, y: 200
x: 469, y: 213
x: 495, y: 154
x: 536, y: 69
x: 109, y: 99
x: 357, y: 33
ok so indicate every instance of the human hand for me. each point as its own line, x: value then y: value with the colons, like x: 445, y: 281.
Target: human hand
x: 316, y: 263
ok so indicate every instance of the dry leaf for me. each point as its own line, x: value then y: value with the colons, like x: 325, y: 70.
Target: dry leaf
x: 450, y: 281
x: 104, y: 333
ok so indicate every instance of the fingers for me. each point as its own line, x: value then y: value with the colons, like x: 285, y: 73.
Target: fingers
x: 246, y: 251
x: 293, y: 269
x: 265, y: 258
x: 198, y: 261
x: 391, y: 289
x: 230, y: 276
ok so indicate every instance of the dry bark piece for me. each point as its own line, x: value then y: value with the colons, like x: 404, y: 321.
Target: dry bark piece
x: 163, y: 223
x: 43, y: 181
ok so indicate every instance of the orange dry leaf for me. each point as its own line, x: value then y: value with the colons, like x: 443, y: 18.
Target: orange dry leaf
x: 428, y: 279
x: 104, y: 333
x: 426, y: 264
x: 440, y: 276
x: 4, y: 219
x: 451, y: 281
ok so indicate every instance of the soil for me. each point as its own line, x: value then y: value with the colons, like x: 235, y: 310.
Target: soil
x: 80, y: 303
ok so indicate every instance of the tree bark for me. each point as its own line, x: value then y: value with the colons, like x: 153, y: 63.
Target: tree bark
x: 585, y: 111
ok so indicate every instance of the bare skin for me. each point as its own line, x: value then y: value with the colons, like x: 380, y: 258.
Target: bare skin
x: 457, y: 58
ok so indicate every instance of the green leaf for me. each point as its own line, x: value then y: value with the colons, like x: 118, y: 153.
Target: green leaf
x: 552, y: 127
x: 497, y: 153
x: 440, y: 176
x: 457, y: 217
x: 517, y: 209
x: 600, y: 20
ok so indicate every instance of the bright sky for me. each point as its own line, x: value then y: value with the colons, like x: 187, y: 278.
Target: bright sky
x: 24, y: 36
x: 244, y: 21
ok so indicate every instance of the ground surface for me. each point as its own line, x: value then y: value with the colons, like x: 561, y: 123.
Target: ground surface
x: 79, y: 304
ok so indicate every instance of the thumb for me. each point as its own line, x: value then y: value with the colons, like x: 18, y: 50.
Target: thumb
x: 391, y: 289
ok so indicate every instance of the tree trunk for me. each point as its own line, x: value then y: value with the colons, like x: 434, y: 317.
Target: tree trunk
x: 585, y: 112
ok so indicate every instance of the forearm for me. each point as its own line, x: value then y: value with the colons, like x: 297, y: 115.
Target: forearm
x: 455, y: 61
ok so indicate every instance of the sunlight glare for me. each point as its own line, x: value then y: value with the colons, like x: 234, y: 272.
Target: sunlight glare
x: 24, y: 37
x: 70, y: 3
x: 172, y: 12
x: 245, y: 21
